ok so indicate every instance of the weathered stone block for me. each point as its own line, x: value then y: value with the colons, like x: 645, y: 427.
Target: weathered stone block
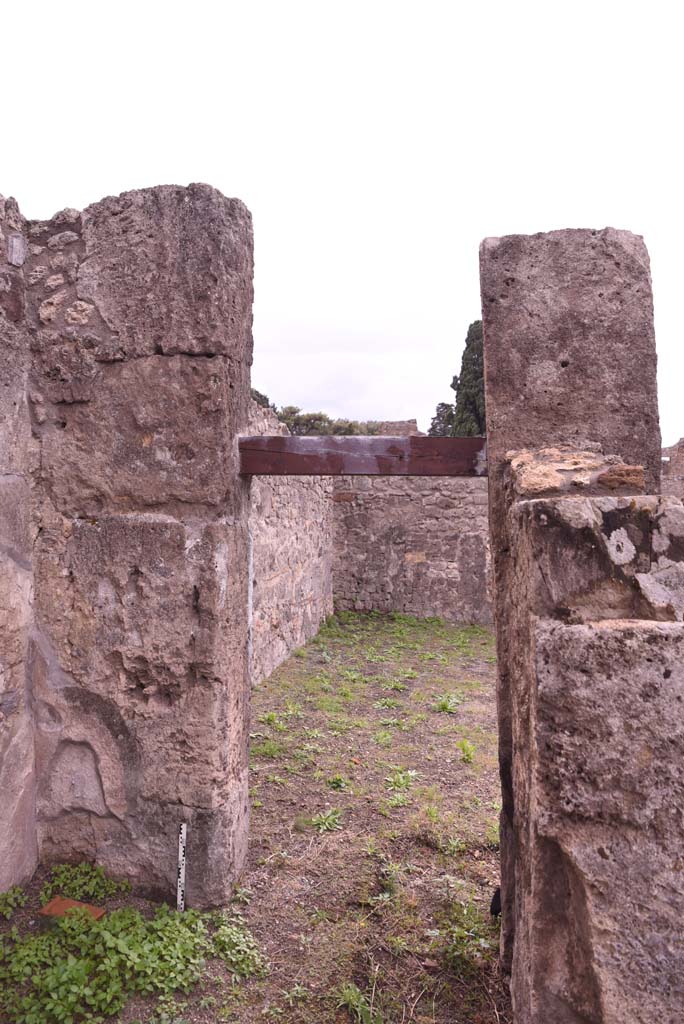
x: 151, y: 433
x: 569, y: 345
x: 141, y: 691
x: 170, y: 271
x: 599, y: 887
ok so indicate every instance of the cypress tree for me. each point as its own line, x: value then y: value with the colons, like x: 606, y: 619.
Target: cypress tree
x: 469, y: 409
x: 466, y: 418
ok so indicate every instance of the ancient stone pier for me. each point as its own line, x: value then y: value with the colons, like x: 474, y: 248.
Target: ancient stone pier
x: 589, y: 580
x: 126, y: 348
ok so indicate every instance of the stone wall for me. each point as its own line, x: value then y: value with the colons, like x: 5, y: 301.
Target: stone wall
x: 129, y: 330
x: 672, y: 479
x: 418, y: 545
x: 589, y: 588
x: 18, y: 462
x: 291, y: 532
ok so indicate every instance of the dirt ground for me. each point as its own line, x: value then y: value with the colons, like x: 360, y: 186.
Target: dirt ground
x: 374, y: 842
x: 395, y: 898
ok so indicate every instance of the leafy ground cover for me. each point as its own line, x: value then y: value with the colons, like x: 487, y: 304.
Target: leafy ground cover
x: 374, y: 854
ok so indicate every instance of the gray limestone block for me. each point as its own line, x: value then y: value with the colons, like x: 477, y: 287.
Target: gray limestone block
x: 569, y: 344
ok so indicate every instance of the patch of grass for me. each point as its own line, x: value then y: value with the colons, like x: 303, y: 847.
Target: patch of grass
x: 329, y: 704
x: 394, y: 684
x: 271, y: 718
x: 327, y: 821
x: 399, y: 800
x: 449, y: 703
x: 360, y: 1010
x: 269, y: 749
x: 337, y: 782
x: 467, y: 750
x: 471, y: 937
x: 383, y: 738
x: 400, y: 779
x: 387, y: 702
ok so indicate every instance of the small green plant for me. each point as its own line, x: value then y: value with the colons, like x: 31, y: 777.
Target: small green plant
x: 297, y: 994
x: 233, y: 944
x: 337, y: 782
x: 271, y: 718
x: 467, y: 751
x: 84, y: 881
x: 395, y: 685
x: 10, y: 900
x: 394, y: 723
x: 300, y: 653
x: 241, y: 895
x: 383, y: 738
x: 399, y: 800
x: 471, y: 937
x: 449, y: 703
x: 327, y: 821
x: 453, y: 846
x: 400, y: 779
x: 387, y: 702
x: 361, y: 1011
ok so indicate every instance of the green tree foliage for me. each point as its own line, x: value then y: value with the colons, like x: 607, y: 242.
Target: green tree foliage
x: 319, y: 423
x: 466, y: 417
x: 442, y: 421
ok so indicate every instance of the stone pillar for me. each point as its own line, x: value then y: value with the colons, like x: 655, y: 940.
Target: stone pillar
x: 140, y: 313
x: 17, y: 461
x: 570, y: 364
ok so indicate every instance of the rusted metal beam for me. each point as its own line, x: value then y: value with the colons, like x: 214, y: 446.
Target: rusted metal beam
x: 362, y: 456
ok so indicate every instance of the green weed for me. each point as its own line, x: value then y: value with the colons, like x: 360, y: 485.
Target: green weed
x: 10, y: 900
x: 353, y: 1000
x: 387, y: 702
x: 467, y: 751
x: 268, y: 748
x: 87, y: 882
x: 87, y: 970
x: 327, y: 821
x: 400, y: 779
x: 449, y: 703
x: 337, y: 782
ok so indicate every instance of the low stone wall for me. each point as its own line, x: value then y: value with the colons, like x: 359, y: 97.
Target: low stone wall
x: 291, y: 530
x: 418, y: 545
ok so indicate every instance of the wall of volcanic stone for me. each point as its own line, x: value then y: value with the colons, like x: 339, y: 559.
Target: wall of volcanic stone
x: 672, y: 478
x: 418, y: 545
x: 291, y: 530
x: 126, y: 345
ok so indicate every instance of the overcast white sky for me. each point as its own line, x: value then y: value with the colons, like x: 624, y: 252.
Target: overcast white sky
x: 376, y: 143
